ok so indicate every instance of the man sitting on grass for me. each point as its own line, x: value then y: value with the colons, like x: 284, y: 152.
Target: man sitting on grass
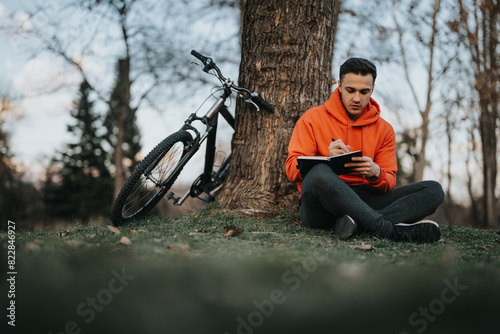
x: 366, y: 199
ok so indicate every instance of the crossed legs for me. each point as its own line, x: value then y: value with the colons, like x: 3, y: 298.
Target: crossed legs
x: 325, y: 198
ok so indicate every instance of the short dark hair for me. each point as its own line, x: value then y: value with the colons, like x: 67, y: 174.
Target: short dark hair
x: 358, y: 66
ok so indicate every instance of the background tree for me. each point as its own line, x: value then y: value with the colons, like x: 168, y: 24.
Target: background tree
x: 477, y: 25
x: 18, y: 198
x: 81, y: 186
x: 287, y: 51
x: 420, y: 27
x: 8, y: 175
x: 122, y: 131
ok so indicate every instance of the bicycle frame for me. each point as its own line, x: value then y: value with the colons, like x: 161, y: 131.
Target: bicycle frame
x: 210, y: 119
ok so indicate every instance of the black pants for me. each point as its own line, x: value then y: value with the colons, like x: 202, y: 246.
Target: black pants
x: 325, y: 198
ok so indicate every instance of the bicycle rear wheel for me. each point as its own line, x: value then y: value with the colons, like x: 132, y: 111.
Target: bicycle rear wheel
x: 144, y: 188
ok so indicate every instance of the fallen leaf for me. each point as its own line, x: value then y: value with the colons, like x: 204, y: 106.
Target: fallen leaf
x: 363, y: 246
x: 114, y: 230
x: 182, y: 247
x: 232, y: 231
x: 252, y: 211
x: 126, y: 241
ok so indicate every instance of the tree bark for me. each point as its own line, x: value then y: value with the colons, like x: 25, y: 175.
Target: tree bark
x: 287, y: 52
x: 121, y: 111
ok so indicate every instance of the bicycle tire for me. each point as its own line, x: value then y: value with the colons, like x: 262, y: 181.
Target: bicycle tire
x: 140, y: 194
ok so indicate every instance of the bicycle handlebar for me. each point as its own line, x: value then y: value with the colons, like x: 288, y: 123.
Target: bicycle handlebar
x: 207, y: 61
x: 254, y: 96
x: 199, y: 56
x: 258, y: 100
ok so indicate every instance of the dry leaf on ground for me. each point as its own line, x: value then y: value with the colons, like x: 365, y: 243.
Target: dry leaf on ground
x: 114, y: 229
x: 232, y: 231
x: 252, y: 211
x: 126, y: 241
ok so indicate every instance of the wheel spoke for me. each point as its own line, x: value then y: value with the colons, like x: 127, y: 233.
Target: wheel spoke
x: 148, y: 186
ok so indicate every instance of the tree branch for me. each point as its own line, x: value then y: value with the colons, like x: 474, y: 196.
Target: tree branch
x: 403, y: 55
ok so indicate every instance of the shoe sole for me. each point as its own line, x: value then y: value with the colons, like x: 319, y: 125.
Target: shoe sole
x: 419, y: 222
x: 433, y: 235
x: 345, y: 227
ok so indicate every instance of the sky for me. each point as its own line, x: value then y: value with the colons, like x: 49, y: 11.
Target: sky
x: 38, y: 125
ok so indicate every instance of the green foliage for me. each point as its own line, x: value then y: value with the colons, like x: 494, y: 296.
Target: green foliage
x: 79, y: 185
x: 18, y: 199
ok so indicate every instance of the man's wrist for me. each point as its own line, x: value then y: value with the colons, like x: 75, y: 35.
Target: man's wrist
x: 374, y: 178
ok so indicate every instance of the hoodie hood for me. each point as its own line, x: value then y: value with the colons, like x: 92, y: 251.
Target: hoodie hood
x: 335, y: 107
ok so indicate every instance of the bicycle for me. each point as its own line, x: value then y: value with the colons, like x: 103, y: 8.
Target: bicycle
x: 152, y: 179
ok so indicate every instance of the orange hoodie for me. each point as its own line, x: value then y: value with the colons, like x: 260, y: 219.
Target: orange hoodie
x: 370, y: 133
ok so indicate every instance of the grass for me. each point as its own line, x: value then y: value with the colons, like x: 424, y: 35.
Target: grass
x: 183, y: 275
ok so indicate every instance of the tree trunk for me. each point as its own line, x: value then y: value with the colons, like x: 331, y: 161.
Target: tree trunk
x: 487, y: 125
x: 483, y: 43
x: 448, y: 203
x: 118, y: 156
x: 421, y: 160
x: 287, y: 52
x: 121, y: 111
x: 470, y: 183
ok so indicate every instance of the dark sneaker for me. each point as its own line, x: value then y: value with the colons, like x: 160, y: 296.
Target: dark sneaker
x: 421, y: 231
x: 344, y: 227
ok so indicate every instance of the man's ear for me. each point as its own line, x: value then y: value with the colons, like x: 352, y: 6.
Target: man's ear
x: 340, y: 86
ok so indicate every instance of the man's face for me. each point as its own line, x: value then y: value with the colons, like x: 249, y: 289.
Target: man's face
x: 356, y: 91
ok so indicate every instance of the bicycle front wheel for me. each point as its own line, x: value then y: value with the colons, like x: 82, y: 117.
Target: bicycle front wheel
x: 152, y: 178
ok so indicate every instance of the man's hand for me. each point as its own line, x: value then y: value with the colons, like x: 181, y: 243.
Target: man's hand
x: 338, y: 147
x: 365, y: 166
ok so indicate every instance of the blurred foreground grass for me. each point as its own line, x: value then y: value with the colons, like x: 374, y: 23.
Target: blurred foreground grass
x: 183, y: 275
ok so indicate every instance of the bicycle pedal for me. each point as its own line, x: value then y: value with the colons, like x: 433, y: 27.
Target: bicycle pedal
x: 172, y: 196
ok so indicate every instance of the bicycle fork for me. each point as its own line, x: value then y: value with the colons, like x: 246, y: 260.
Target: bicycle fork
x: 208, y: 181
